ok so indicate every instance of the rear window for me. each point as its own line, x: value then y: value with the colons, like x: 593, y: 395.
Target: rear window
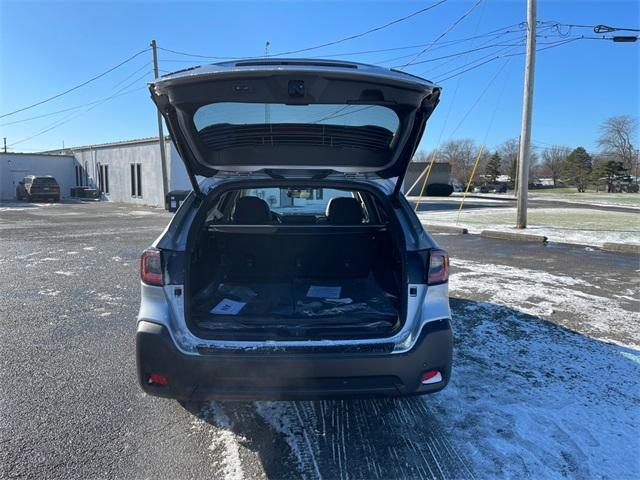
x: 293, y: 206
x: 229, y: 124
x: 45, y: 181
x: 297, y: 201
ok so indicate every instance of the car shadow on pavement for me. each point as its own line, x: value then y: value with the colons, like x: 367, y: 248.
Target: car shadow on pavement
x: 507, y: 364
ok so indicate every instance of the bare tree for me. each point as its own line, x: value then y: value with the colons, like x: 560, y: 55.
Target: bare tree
x: 617, y: 138
x: 462, y: 155
x: 509, y: 152
x: 553, y: 160
x: 421, y: 156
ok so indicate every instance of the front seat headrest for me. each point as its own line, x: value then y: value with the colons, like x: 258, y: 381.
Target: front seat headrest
x: 251, y: 210
x: 344, y: 211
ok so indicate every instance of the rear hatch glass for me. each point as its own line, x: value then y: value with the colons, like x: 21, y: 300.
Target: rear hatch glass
x: 229, y: 124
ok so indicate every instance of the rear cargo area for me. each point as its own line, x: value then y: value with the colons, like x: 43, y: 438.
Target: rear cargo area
x: 295, y: 282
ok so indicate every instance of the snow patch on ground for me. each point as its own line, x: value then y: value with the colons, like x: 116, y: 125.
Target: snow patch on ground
x: 532, y: 399
x: 49, y: 292
x: 64, y: 272
x: 539, y: 293
x: 284, y: 418
x: 140, y: 212
x: 222, y: 438
x: 529, y: 399
x: 89, y: 248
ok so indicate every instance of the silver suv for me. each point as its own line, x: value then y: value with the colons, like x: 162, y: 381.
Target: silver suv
x: 296, y: 268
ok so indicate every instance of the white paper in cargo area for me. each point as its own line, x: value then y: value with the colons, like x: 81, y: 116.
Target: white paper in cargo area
x: 228, y: 307
x: 322, y: 291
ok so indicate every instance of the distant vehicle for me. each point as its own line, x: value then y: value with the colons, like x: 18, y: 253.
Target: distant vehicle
x: 481, y: 189
x: 499, y: 189
x: 296, y: 268
x: 32, y: 188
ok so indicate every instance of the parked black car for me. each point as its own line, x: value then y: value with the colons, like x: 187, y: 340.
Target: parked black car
x: 33, y: 188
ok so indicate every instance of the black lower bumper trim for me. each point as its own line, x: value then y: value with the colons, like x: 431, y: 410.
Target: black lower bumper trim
x: 291, y: 375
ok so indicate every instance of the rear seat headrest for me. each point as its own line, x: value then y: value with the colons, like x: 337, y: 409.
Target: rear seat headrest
x: 344, y: 211
x: 251, y: 210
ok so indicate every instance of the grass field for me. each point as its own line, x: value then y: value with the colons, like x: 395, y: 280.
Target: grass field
x: 590, y: 197
x: 568, y: 225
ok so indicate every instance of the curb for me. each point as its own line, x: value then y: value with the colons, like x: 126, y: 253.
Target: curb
x: 633, y: 248
x: 445, y: 229
x: 523, y: 237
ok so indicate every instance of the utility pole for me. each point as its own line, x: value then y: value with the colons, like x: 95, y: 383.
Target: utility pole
x: 267, y: 107
x: 527, y: 110
x: 163, y: 152
x: 5, y: 144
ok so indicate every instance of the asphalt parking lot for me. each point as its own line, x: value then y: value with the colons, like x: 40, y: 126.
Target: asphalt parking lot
x: 546, y: 380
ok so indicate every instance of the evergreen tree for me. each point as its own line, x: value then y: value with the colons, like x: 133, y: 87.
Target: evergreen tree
x: 577, y: 168
x: 609, y: 171
x: 492, y: 170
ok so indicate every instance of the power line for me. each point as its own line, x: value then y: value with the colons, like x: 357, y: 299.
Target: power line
x: 445, y: 45
x: 480, y: 97
x: 600, y: 28
x: 451, y: 27
x: 497, y: 32
x: 555, y: 44
x: 457, y: 54
x: 73, y: 116
x: 481, y: 58
x: 77, y: 86
x: 145, y: 65
x: 482, y: 46
x: 67, y: 109
x: 196, y: 55
x: 362, y: 34
x: 316, y: 47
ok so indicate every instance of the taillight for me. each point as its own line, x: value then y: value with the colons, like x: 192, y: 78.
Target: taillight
x: 151, y: 267
x: 438, y: 267
x: 157, y: 379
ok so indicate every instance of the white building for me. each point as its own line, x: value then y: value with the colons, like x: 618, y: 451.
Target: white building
x: 15, y: 166
x: 128, y: 171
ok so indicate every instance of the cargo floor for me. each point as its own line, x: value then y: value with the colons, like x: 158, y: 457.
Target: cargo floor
x: 296, y: 307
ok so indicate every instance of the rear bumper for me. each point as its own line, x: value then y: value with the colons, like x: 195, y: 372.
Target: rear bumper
x: 275, y: 375
x: 44, y: 195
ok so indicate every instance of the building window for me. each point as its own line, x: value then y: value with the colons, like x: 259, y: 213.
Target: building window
x: 103, y: 178
x: 133, y: 179
x: 139, y: 172
x: 78, y: 176
x: 136, y: 179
